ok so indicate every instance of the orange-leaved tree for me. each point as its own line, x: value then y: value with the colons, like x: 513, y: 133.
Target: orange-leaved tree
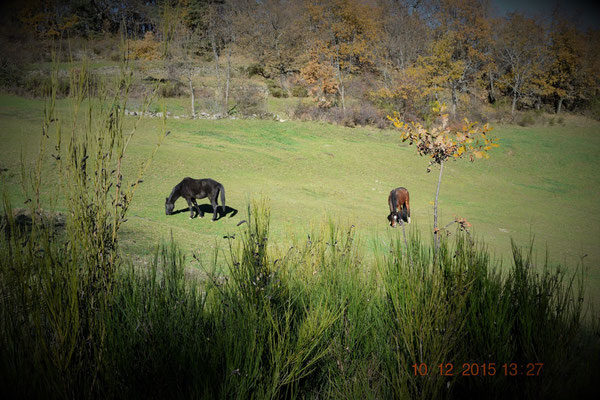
x: 320, y: 75
x: 345, y: 34
x: 442, y: 142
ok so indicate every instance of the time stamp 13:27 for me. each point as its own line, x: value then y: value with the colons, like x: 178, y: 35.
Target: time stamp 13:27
x: 477, y: 369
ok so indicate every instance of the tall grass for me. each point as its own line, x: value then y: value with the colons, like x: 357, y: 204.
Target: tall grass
x: 56, y: 287
x: 79, y: 320
x: 313, y: 320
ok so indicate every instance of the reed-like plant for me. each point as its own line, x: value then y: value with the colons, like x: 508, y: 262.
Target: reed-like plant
x: 65, y: 281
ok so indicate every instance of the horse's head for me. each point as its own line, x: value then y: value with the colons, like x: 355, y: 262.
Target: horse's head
x: 393, y: 218
x: 169, y: 207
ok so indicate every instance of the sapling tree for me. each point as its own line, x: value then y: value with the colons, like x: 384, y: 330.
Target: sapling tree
x: 442, y: 142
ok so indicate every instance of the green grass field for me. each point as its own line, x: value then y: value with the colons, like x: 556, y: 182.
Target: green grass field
x: 541, y: 183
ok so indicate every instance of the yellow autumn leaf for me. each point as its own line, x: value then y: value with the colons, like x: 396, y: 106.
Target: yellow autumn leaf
x: 478, y: 154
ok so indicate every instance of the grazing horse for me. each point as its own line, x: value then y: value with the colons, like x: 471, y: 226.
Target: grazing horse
x: 399, y: 206
x: 191, y: 189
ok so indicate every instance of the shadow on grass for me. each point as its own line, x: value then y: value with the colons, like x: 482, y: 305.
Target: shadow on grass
x: 207, y: 209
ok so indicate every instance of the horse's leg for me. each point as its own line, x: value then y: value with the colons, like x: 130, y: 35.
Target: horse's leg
x: 191, y: 206
x: 408, y: 209
x: 199, y: 211
x: 213, y: 202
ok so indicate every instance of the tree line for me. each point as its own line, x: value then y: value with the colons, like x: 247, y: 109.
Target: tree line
x: 406, y: 53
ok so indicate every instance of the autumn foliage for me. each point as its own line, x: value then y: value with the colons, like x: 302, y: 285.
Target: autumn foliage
x: 345, y: 54
x: 442, y: 142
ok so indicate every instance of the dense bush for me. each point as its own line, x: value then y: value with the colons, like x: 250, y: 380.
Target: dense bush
x: 249, y: 99
x: 276, y: 90
x: 147, y: 48
x: 11, y: 74
x: 255, y: 69
x: 299, y: 91
x: 363, y: 115
x: 305, y: 112
x: 360, y: 115
x: 593, y: 108
x: 172, y: 88
x: 38, y: 84
x: 526, y: 119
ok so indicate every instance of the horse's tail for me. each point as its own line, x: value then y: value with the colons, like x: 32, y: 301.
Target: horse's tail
x: 394, y: 201
x: 222, y: 190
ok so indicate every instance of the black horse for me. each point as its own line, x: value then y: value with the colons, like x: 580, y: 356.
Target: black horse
x: 191, y: 189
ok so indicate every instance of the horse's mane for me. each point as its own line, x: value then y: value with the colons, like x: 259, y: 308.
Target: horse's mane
x: 175, y: 193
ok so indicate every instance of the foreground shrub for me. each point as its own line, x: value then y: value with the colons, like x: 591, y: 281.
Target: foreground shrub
x: 314, y: 319
x: 56, y: 288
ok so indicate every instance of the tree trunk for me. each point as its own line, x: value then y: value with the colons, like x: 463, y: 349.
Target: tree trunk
x: 436, y: 233
x: 281, y: 75
x: 514, y: 103
x: 216, y: 55
x: 192, y: 93
x: 454, y: 101
x: 559, y: 106
x: 386, y: 74
x: 281, y: 66
x: 343, y: 98
x: 492, y: 91
x: 341, y: 82
x: 225, y: 104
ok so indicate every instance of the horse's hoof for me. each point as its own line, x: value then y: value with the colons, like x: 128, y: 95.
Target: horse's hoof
x: 191, y: 218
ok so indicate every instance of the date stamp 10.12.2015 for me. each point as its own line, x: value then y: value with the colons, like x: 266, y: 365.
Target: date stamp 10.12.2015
x: 479, y: 369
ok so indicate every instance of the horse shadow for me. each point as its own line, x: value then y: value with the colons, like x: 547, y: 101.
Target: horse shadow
x: 207, y: 209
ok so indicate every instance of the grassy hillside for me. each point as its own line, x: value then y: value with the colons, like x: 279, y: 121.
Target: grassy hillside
x: 542, y: 182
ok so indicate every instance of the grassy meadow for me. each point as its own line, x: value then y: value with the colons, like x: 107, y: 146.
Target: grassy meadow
x: 541, y: 184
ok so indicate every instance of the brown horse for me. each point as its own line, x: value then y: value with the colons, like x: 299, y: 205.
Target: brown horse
x: 399, y: 206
